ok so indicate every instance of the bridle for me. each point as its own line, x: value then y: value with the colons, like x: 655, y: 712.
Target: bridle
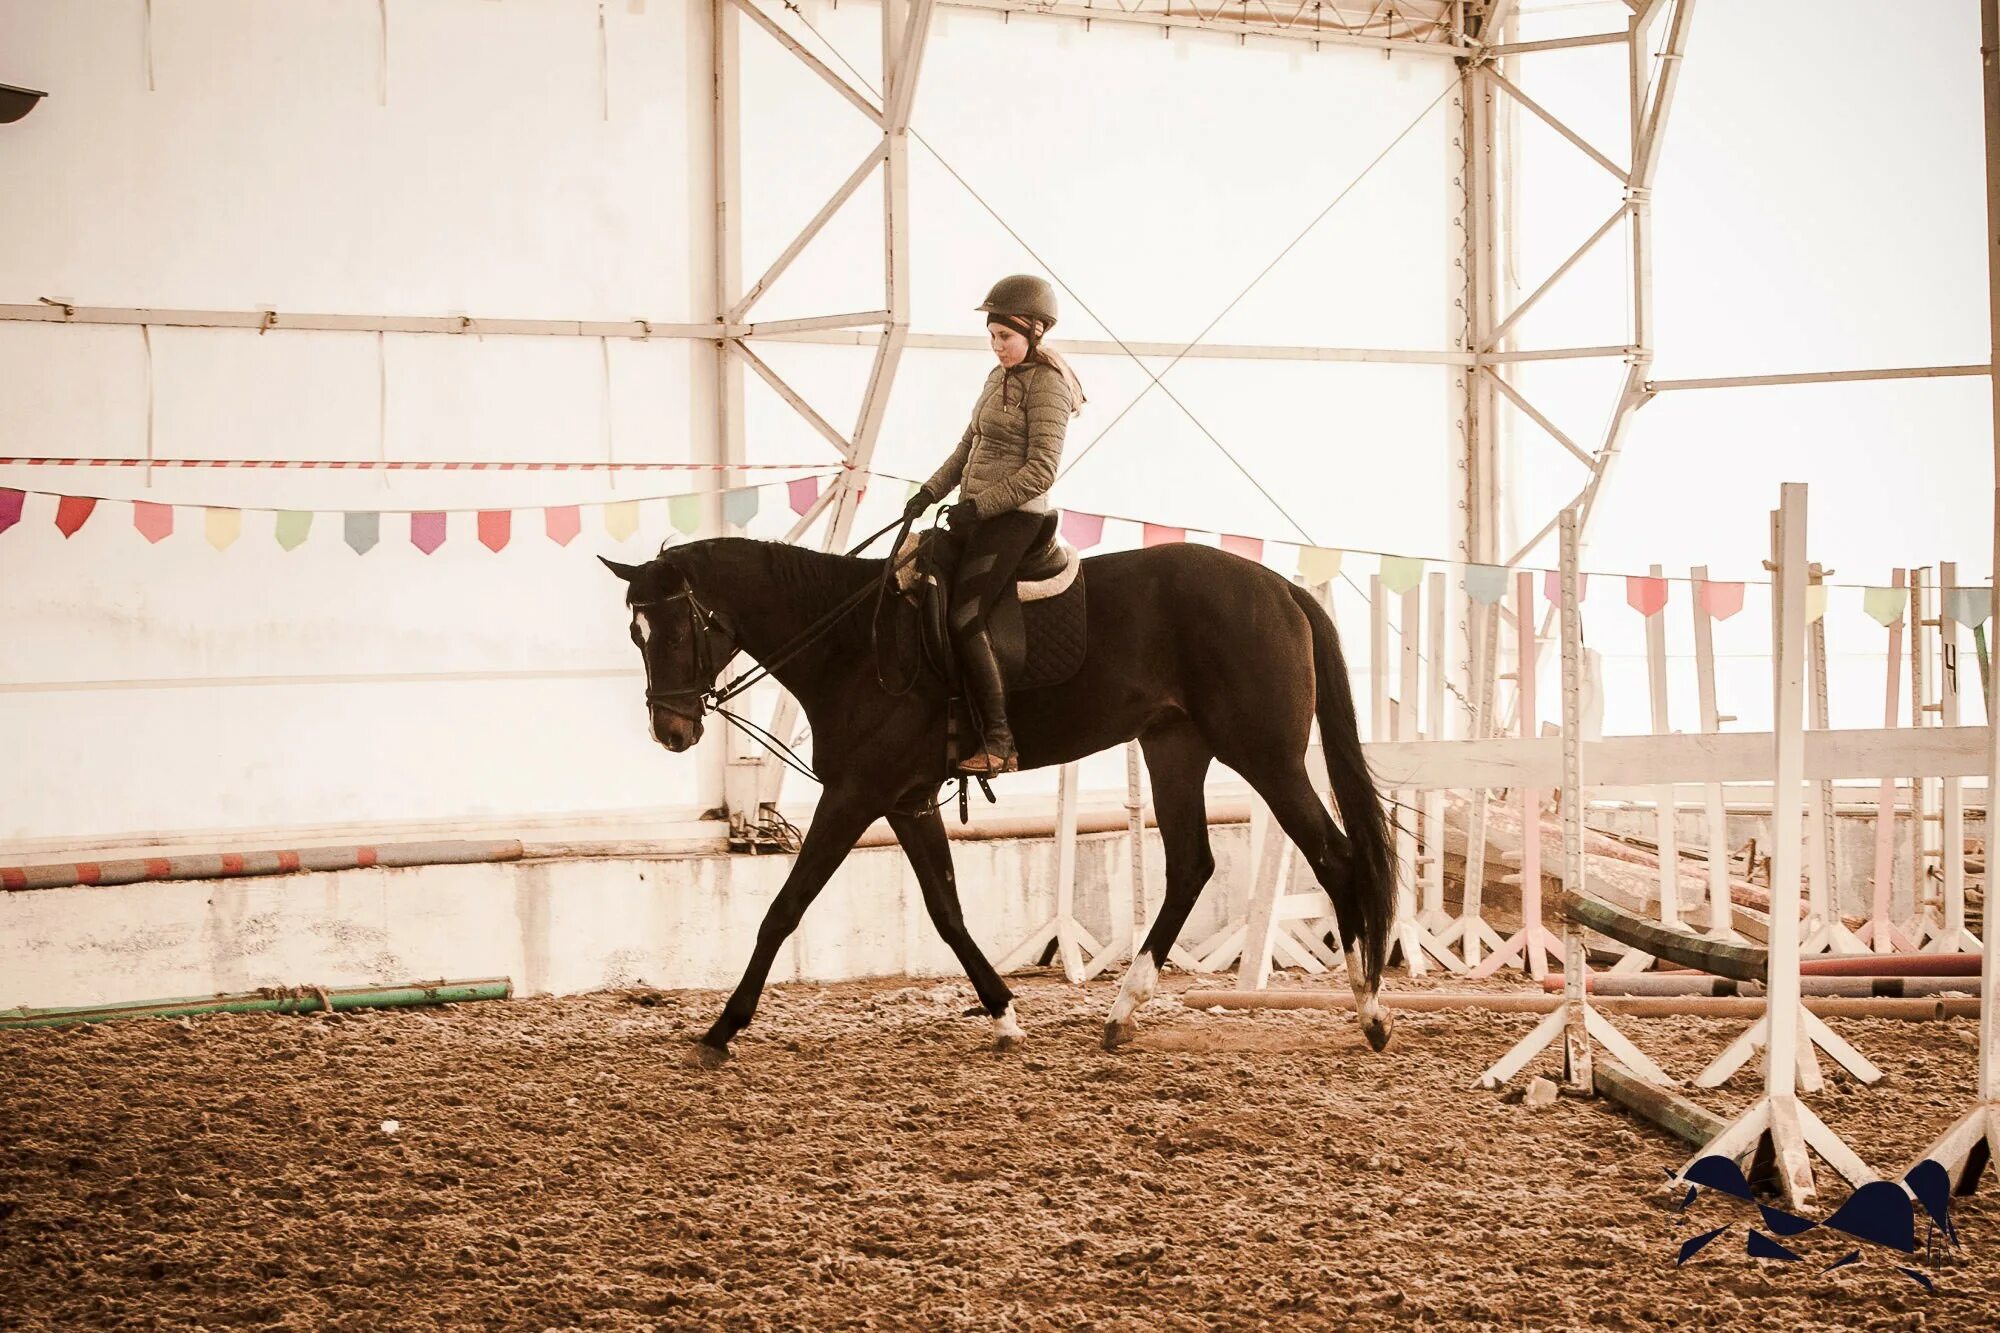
x: 689, y: 702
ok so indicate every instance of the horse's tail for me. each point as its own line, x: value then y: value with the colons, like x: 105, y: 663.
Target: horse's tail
x: 1353, y: 789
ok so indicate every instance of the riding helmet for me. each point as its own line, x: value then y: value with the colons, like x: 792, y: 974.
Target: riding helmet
x: 1023, y: 294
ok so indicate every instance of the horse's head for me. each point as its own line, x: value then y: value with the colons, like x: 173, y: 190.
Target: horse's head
x: 683, y: 644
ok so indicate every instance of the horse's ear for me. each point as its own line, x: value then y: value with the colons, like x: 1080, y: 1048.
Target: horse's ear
x: 626, y: 572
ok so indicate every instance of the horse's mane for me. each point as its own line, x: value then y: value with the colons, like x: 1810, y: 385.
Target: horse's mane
x: 805, y: 582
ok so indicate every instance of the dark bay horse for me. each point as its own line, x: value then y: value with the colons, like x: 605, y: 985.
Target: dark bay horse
x: 1198, y: 653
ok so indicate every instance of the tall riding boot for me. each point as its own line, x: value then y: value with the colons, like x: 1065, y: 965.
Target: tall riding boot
x: 989, y: 697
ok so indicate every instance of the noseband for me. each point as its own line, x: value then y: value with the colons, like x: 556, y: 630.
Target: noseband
x: 692, y: 701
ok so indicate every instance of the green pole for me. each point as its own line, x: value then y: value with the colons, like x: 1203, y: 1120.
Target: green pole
x: 271, y: 1000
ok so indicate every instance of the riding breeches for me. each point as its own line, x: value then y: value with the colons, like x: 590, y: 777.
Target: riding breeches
x: 986, y: 566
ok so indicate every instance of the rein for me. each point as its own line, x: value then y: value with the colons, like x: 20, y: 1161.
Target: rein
x: 711, y: 699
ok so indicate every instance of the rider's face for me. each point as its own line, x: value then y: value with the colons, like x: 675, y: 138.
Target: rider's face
x: 1009, y: 346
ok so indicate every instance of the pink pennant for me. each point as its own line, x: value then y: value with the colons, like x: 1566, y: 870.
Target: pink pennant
x: 563, y: 524
x: 495, y: 527
x: 1720, y: 600
x: 154, y: 521
x: 803, y: 491
x: 11, y: 502
x: 1645, y: 594
x: 1250, y: 548
x: 1159, y: 534
x: 1082, y: 531
x: 1552, y: 585
x: 72, y: 512
x: 427, y: 531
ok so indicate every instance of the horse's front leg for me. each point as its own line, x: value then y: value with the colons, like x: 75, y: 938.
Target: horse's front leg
x: 840, y: 821
x: 924, y: 842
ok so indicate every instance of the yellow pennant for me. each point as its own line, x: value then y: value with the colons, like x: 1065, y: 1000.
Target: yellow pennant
x: 223, y: 527
x: 1317, y: 564
x: 621, y: 520
x: 1815, y: 601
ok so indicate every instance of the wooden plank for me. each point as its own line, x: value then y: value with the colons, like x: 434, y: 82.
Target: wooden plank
x: 1649, y: 761
x: 1672, y: 1112
x: 1738, y: 962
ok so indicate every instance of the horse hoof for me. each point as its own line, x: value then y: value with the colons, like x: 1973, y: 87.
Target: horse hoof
x: 1008, y: 1042
x: 704, y: 1056
x: 1118, y: 1032
x: 1376, y: 1030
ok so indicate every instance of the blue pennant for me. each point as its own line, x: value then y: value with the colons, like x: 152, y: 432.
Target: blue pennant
x: 1880, y: 1212
x: 1695, y: 1244
x: 1761, y: 1246
x: 1928, y: 1181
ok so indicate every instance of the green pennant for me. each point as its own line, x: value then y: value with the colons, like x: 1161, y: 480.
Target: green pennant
x: 684, y: 511
x: 292, y: 527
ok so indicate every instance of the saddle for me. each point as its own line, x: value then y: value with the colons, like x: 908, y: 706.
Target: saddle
x: 1039, y: 627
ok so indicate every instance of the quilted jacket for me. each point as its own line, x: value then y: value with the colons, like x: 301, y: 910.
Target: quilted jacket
x: 1007, y: 458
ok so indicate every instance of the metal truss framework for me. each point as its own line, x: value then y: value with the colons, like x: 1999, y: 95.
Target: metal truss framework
x: 1477, y: 34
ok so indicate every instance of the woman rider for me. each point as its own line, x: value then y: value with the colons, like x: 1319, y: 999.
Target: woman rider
x: 1003, y: 467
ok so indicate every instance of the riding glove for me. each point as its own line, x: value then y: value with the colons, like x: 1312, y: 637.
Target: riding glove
x: 919, y: 502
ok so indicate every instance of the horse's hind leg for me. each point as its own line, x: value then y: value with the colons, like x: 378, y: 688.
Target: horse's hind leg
x: 1177, y: 758
x: 1297, y: 808
x: 924, y: 842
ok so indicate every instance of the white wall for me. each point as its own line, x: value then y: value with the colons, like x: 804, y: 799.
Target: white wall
x: 493, y: 167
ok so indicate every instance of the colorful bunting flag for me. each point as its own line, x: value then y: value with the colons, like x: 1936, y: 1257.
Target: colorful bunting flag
x: 1815, y: 601
x: 154, y: 521
x: 1082, y: 531
x: 1885, y: 604
x: 739, y: 506
x: 563, y: 523
x: 362, y: 530
x: 292, y: 526
x: 72, y: 512
x: 1645, y: 594
x: 1552, y: 585
x: 1486, y: 584
x: 621, y: 520
x: 1318, y: 564
x: 1250, y: 548
x: 1159, y: 534
x: 427, y: 531
x: 495, y: 527
x: 803, y: 491
x: 1400, y: 573
x: 1720, y: 600
x: 684, y: 512
x: 10, y: 507
x: 222, y: 527
x: 1966, y: 606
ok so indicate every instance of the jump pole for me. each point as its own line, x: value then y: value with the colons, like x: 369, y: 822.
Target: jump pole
x: 1075, y: 947
x: 1880, y: 932
x: 1534, y: 944
x: 1433, y: 917
x: 1923, y: 922
x: 1828, y: 933
x: 1778, y: 1122
x: 1974, y: 1138
x: 1470, y: 931
x: 1721, y: 913
x: 1809, y: 1033
x: 1409, y: 934
x: 1575, y: 1021
x: 1953, y: 937
x: 1665, y: 798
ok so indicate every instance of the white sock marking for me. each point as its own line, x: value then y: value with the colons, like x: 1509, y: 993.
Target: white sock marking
x: 1006, y: 1027
x: 1137, y: 987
